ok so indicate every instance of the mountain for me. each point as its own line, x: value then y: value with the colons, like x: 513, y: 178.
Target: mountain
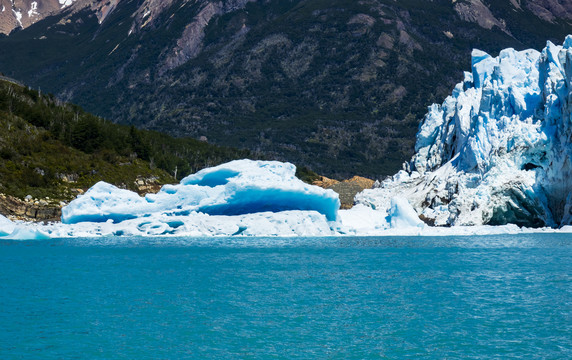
x: 337, y: 85
x: 498, y: 150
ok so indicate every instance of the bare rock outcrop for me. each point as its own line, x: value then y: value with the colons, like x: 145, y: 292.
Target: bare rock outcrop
x: 346, y: 189
x: 38, y: 210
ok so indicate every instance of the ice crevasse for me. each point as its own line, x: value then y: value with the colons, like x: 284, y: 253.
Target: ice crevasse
x: 498, y: 150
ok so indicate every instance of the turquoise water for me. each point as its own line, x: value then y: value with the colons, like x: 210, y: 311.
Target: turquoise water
x: 338, y: 298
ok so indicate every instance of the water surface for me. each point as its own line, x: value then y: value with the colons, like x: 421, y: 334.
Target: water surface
x: 507, y: 296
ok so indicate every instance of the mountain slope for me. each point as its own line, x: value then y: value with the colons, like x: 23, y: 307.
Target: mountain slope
x: 337, y: 85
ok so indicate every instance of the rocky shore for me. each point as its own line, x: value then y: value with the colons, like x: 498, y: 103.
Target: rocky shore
x: 30, y: 209
x: 48, y: 209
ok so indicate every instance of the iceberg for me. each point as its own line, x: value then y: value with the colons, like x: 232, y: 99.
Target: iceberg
x: 6, y: 226
x: 498, y: 150
x: 236, y: 188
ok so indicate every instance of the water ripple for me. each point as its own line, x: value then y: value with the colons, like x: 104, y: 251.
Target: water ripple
x: 492, y: 297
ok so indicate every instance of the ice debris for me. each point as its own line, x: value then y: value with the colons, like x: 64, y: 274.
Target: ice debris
x: 19, y: 231
x: 6, y: 226
x: 24, y: 232
x: 239, y: 198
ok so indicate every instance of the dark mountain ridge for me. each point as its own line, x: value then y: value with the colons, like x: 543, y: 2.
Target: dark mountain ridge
x: 337, y: 85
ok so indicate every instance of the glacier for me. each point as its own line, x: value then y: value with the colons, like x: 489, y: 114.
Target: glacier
x: 493, y: 158
x: 498, y: 150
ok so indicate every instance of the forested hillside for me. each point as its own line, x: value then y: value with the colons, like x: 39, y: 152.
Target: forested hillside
x: 49, y: 148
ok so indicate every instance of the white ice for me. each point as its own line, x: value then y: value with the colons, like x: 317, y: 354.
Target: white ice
x: 236, y: 188
x: 6, y: 226
x: 65, y: 3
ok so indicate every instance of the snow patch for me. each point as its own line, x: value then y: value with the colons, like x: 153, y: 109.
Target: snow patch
x: 18, y: 15
x: 33, y: 9
x: 65, y: 3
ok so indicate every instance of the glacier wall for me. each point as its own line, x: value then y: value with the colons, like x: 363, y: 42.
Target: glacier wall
x: 498, y: 150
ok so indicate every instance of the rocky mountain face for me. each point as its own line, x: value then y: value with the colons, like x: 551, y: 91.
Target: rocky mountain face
x: 337, y: 85
x: 479, y: 12
x: 19, y: 14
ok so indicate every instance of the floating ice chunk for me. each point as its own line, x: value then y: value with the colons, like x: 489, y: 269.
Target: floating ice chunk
x: 25, y: 233
x: 362, y: 220
x: 236, y: 188
x: 6, y: 226
x: 402, y: 214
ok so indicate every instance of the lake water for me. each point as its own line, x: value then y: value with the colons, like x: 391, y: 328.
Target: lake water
x: 336, y: 298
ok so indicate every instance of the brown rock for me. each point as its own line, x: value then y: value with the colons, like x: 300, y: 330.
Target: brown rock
x: 148, y: 185
x: 325, y: 182
x: 347, y: 189
x: 347, y: 192
x: 364, y: 183
x: 15, y: 208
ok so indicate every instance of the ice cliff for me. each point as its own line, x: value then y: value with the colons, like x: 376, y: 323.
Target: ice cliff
x: 498, y: 150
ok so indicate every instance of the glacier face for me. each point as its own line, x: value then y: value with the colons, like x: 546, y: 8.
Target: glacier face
x: 498, y: 150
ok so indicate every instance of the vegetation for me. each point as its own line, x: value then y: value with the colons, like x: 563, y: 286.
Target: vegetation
x: 51, y: 149
x: 306, y: 175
